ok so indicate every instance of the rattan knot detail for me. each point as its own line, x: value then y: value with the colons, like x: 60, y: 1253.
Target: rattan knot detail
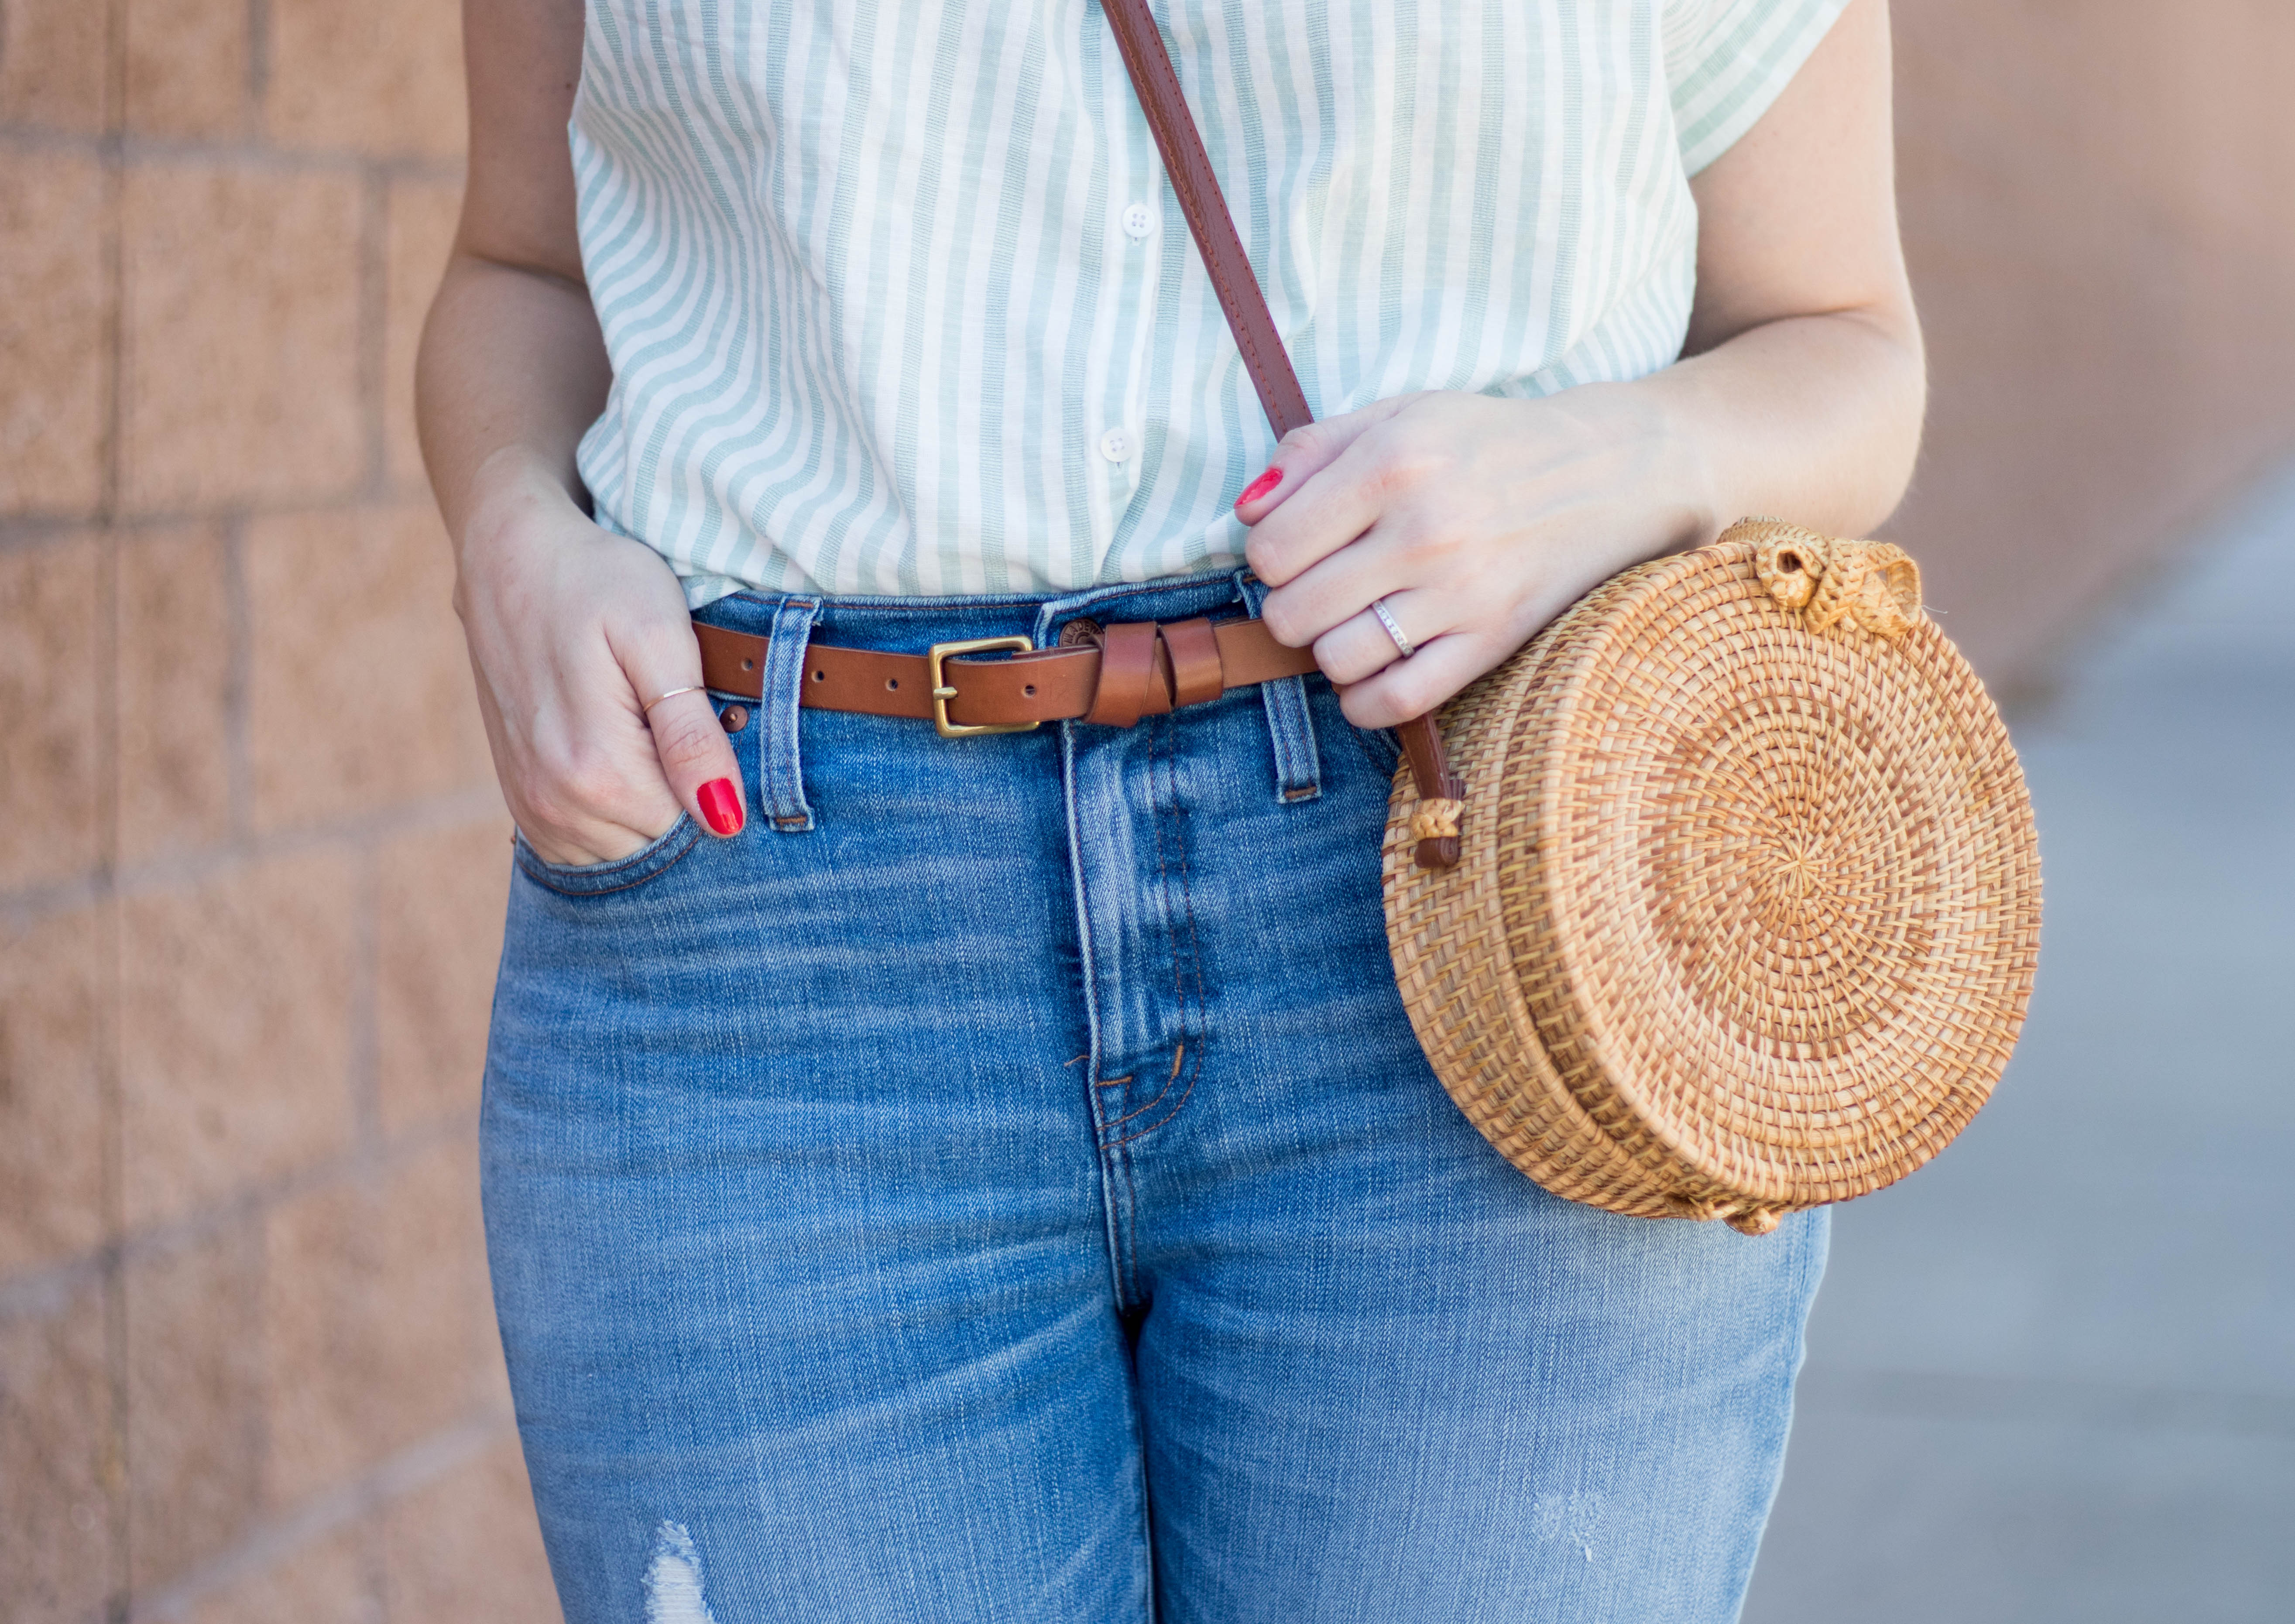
x: 1435, y: 819
x: 1867, y: 586
x: 1746, y: 916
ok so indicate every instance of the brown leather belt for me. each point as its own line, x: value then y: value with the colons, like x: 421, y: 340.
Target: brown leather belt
x: 1139, y: 668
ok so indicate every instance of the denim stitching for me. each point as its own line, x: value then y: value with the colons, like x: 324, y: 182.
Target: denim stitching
x: 1194, y: 1071
x: 536, y: 868
x: 780, y: 771
x: 550, y: 884
x: 1164, y: 777
x: 1186, y: 989
x: 1179, y: 1057
x: 1122, y: 1199
x: 1189, y: 993
x: 1115, y: 1195
x: 1163, y: 770
x: 1290, y: 725
x: 1298, y: 729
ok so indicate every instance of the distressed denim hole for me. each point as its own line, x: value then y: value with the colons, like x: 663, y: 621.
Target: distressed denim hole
x: 673, y: 1582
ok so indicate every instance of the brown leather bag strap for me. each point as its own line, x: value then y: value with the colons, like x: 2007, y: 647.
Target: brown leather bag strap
x: 1181, y: 143
x: 1157, y: 84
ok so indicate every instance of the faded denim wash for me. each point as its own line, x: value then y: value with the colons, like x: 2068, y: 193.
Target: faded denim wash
x: 1001, y: 1184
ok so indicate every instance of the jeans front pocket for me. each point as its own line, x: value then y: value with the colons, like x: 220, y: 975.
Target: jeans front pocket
x: 621, y: 874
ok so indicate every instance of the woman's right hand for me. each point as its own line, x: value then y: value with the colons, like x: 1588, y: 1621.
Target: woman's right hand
x: 571, y: 631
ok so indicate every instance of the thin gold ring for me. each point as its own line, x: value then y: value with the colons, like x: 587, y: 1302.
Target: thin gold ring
x: 672, y: 694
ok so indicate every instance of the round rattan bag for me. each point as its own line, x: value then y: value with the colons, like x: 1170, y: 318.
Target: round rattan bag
x: 1746, y: 904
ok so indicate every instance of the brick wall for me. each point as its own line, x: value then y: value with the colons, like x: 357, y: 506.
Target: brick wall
x: 2099, y: 208
x: 251, y: 862
x: 251, y: 865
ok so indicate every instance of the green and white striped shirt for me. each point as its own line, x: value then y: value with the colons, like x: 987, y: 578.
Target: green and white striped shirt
x: 899, y: 300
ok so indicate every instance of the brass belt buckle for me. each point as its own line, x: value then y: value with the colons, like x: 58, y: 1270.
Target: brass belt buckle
x: 942, y: 693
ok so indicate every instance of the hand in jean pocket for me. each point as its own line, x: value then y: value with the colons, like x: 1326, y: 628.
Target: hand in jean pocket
x: 588, y: 680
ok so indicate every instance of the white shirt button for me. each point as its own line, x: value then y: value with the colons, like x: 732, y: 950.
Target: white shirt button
x: 1138, y: 222
x: 1116, y: 445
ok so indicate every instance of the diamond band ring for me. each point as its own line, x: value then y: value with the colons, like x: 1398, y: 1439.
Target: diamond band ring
x: 1385, y: 618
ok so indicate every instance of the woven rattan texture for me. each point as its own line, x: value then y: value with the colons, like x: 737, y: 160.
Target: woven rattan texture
x: 1747, y: 914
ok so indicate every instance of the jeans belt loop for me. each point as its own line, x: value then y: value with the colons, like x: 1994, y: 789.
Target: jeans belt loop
x: 781, y: 769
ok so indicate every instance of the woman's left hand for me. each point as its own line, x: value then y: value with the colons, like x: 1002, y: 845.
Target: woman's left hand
x: 1476, y: 518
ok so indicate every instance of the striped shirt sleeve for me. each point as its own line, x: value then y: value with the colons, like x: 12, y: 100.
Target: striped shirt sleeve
x: 1726, y: 60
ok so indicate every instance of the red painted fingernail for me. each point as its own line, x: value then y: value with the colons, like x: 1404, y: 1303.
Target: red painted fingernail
x: 1260, y: 486
x: 722, y: 806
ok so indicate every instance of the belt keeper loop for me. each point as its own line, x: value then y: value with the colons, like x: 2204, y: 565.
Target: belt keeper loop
x: 1198, y: 674
x: 1127, y: 675
x: 780, y: 767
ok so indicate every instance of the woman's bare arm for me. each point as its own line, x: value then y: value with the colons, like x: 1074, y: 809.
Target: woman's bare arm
x: 1807, y: 378
x: 511, y: 360
x: 571, y: 629
x: 1479, y: 519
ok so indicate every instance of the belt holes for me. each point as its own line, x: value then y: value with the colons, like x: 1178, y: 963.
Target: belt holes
x: 892, y: 682
x: 1030, y: 691
x: 748, y: 664
x: 821, y: 676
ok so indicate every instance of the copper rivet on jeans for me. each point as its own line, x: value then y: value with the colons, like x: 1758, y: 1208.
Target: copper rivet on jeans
x: 735, y: 717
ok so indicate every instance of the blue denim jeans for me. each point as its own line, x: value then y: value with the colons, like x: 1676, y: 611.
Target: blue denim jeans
x: 1001, y: 1184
